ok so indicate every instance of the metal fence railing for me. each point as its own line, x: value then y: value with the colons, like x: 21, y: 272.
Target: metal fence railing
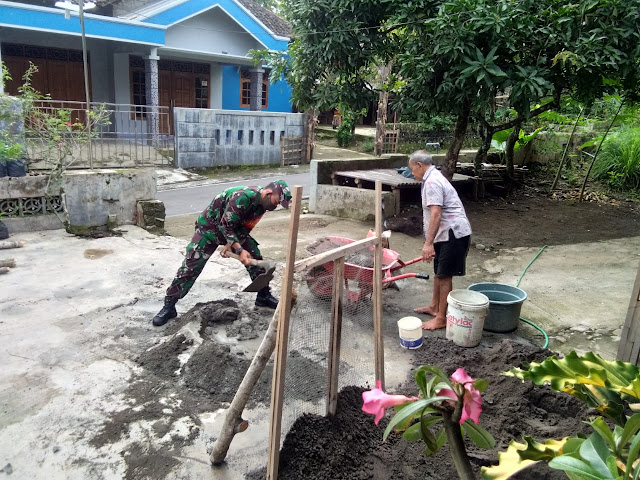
x: 407, y: 138
x: 130, y: 136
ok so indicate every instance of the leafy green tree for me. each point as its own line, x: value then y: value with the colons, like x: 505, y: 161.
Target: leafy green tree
x: 455, y: 56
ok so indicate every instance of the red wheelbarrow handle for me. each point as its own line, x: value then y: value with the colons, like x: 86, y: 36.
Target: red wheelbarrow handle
x: 423, y: 276
x: 402, y: 264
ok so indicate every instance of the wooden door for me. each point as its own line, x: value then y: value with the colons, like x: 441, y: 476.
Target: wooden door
x: 184, y: 92
x: 164, y: 100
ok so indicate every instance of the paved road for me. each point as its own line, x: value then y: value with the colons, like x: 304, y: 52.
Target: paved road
x: 190, y: 200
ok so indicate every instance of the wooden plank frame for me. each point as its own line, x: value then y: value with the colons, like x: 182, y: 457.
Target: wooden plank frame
x: 629, y: 348
x: 335, y: 337
x: 280, y: 363
x: 378, y: 339
x: 336, y: 255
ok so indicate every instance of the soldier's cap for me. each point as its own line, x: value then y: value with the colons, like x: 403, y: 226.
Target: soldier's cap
x: 282, y: 189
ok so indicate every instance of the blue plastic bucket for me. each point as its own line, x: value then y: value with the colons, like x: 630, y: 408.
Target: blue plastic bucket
x: 505, y: 303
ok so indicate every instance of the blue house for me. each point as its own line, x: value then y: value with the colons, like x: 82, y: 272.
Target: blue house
x: 172, y: 53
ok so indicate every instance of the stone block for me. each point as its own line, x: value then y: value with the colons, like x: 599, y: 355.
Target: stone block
x: 349, y: 202
x: 151, y: 215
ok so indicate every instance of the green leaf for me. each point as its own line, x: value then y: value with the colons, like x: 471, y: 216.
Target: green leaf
x: 634, y: 452
x: 421, y: 380
x: 480, y: 384
x: 600, y: 426
x: 409, y: 411
x: 413, y: 434
x: 630, y: 429
x: 574, y: 465
x: 438, y: 373
x: 441, y: 437
x: 478, y: 435
x: 519, y: 456
x: 595, y: 451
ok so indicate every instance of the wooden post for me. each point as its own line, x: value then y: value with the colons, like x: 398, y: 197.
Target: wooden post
x: 378, y: 339
x: 280, y: 363
x: 333, y: 367
x: 629, y: 348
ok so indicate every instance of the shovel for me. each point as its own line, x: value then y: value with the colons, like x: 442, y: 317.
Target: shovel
x: 263, y: 279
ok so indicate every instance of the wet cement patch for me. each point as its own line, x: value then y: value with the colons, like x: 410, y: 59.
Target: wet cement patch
x: 95, y: 253
x: 183, y: 378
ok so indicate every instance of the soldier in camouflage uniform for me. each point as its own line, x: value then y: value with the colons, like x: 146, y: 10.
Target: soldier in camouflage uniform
x: 227, y: 221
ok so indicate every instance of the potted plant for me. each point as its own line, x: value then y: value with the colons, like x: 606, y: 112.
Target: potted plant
x: 12, y: 163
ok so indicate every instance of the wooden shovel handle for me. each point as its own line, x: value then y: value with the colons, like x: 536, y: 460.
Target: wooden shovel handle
x: 257, y: 263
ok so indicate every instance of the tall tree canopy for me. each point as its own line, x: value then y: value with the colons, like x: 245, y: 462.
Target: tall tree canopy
x: 454, y: 56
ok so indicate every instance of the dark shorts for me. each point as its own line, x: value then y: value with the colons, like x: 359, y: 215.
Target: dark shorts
x: 451, y: 256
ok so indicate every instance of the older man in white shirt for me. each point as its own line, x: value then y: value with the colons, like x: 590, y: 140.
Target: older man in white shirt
x: 447, y: 234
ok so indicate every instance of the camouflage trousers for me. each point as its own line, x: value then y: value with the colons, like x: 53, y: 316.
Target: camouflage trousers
x: 199, y: 250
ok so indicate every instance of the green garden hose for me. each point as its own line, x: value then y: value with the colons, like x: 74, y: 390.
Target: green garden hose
x: 537, y: 327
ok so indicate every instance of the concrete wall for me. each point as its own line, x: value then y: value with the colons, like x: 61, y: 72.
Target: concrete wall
x: 90, y: 197
x: 321, y: 170
x: 279, y: 92
x: 349, y: 202
x: 212, y: 32
x: 210, y: 138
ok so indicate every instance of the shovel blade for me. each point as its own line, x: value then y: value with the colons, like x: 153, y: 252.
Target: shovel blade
x: 261, y: 281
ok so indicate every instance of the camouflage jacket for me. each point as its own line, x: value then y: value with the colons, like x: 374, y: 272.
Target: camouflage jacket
x: 232, y: 214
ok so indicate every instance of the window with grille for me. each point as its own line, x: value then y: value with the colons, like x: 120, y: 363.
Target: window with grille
x: 202, y: 92
x: 138, y: 92
x: 245, y: 89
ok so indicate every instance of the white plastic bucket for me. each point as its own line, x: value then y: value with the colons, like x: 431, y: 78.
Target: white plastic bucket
x: 410, y: 330
x: 465, y: 317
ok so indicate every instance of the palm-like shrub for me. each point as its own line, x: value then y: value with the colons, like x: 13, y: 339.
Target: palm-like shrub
x: 618, y: 162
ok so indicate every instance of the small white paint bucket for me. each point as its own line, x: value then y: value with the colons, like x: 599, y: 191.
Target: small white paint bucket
x: 465, y: 317
x: 410, y: 330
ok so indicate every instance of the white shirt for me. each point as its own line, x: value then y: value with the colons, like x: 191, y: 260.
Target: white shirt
x: 436, y: 190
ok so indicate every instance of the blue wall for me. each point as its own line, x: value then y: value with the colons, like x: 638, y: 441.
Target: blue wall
x: 279, y: 92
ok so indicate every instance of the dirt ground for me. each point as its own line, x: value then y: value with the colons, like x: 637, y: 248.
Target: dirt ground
x: 529, y: 219
x: 349, y: 446
x: 89, y: 389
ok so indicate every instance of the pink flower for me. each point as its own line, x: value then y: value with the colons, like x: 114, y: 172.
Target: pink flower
x: 375, y: 401
x: 68, y: 124
x: 471, y: 401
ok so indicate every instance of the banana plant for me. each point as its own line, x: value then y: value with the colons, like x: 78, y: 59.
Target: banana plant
x: 606, y: 386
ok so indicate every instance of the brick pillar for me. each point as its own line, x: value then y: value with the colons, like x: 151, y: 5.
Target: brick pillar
x: 255, y: 93
x: 151, y: 91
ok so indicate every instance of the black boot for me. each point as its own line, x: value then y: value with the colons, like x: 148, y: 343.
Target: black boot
x: 167, y: 313
x: 265, y: 299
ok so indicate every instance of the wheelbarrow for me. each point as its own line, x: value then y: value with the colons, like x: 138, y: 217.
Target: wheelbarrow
x: 358, y: 271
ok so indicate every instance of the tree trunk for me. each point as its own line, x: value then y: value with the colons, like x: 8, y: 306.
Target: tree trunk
x: 310, y: 133
x: 451, y: 157
x: 383, y: 101
x: 381, y: 123
x: 509, y: 152
x: 481, y: 155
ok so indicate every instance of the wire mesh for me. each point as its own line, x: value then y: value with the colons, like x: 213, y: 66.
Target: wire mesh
x: 306, y: 374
